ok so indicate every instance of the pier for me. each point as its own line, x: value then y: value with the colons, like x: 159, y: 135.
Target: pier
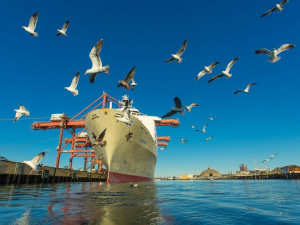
x: 20, y: 173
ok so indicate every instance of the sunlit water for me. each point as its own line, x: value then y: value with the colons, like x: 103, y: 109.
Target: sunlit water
x: 161, y: 202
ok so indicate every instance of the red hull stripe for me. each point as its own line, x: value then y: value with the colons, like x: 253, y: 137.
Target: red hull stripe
x: 120, y: 178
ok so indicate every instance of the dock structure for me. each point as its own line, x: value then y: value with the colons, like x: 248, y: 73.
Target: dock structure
x: 20, y: 173
x: 79, y: 145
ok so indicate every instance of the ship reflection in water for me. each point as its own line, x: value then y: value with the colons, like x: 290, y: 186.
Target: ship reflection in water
x: 83, y: 203
x: 163, y: 202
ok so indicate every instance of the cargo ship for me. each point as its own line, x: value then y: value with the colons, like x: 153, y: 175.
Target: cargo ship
x: 125, y: 140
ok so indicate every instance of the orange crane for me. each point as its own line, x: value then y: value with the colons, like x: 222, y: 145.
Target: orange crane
x: 80, y: 143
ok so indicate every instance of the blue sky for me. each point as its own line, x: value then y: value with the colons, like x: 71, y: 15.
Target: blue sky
x: 34, y: 72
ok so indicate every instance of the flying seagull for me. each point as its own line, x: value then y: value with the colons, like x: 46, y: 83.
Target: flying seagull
x: 203, y: 130
x: 99, y: 140
x: 128, y: 136
x: 32, y: 25
x: 183, y: 140
x: 277, y: 7
x: 35, y: 161
x: 63, y: 29
x: 161, y: 148
x: 126, y: 118
x: 128, y: 78
x: 226, y: 72
x: 20, y: 112
x: 272, y: 156
x: 209, y: 138
x: 178, y: 54
x: 246, y: 89
x: 189, y: 108
x: 193, y: 126
x: 273, y: 54
x: 97, y: 63
x: 207, y: 69
x: 72, y: 87
x: 211, y: 118
x: 175, y: 109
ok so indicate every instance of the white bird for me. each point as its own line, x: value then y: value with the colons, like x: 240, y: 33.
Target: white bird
x: 246, y: 90
x: 20, y: 112
x: 203, y: 130
x: 178, y: 54
x: 272, y: 156
x: 162, y: 148
x: 126, y: 118
x: 183, y: 140
x: 35, y: 161
x: 226, y: 72
x: 277, y: 7
x: 32, y: 25
x: 72, y: 87
x: 189, y: 108
x: 209, y: 138
x: 193, y: 126
x: 97, y: 63
x: 63, y: 29
x: 212, y: 118
x: 175, y: 109
x: 207, y: 69
x: 273, y: 54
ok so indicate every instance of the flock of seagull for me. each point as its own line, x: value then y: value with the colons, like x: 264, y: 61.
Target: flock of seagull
x: 273, y: 58
x: 97, y: 68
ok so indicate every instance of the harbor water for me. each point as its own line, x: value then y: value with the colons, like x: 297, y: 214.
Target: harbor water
x: 159, y: 202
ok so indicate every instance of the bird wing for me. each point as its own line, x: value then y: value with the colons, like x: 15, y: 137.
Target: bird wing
x: 283, y: 2
x: 94, y: 136
x: 213, y: 65
x: 130, y: 75
x: 17, y: 116
x: 33, y: 21
x: 263, y: 51
x: 38, y: 158
x: 169, y: 114
x: 92, y: 77
x: 216, y: 77
x: 94, y: 54
x: 238, y: 91
x: 182, y: 48
x: 205, y: 126
x: 22, y: 107
x: 75, y: 80
x: 177, y: 102
x: 249, y: 85
x: 101, y: 136
x: 268, y: 12
x: 193, y: 105
x: 201, y: 74
x: 285, y: 47
x: 170, y: 60
x: 231, y: 64
x: 65, y: 26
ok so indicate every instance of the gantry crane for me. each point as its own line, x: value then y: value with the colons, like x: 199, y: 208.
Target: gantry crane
x: 80, y: 145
